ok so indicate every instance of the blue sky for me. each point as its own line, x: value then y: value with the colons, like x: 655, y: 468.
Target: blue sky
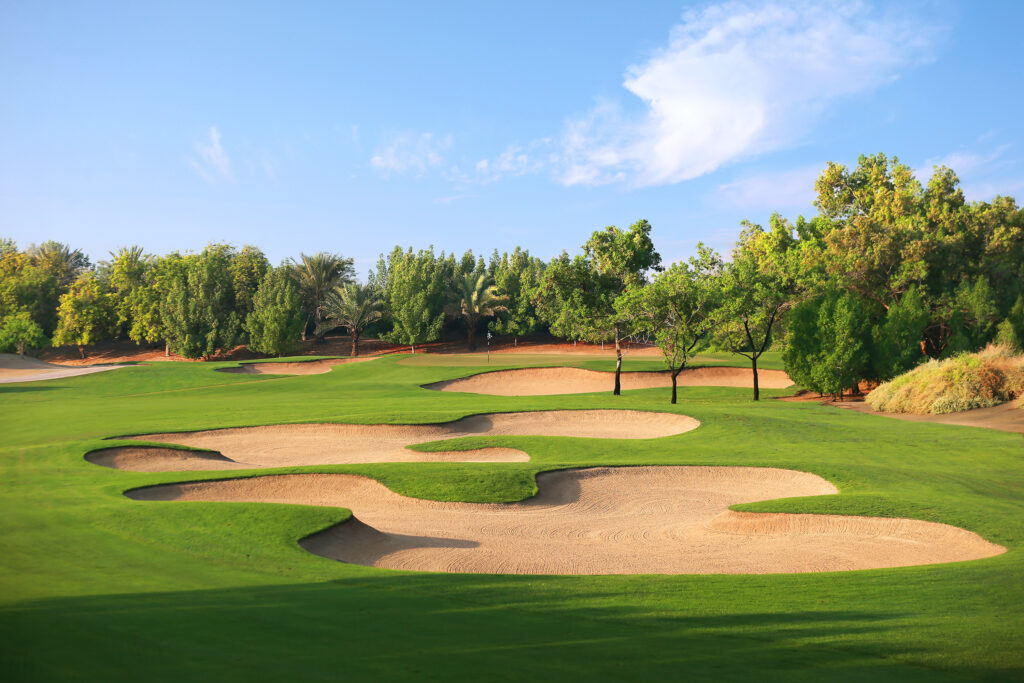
x: 346, y: 127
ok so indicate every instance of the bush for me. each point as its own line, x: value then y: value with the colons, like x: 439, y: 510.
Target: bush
x: 971, y: 380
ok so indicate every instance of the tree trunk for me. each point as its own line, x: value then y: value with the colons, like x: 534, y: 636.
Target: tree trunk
x: 81, y: 352
x: 618, y: 365
x: 757, y: 391
x: 167, y: 349
x: 305, y: 326
x: 470, y: 327
x: 675, y: 374
x: 355, y: 344
x: 413, y: 347
x: 515, y: 342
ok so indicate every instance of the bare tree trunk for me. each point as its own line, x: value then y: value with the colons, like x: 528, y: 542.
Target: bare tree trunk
x: 81, y: 352
x: 470, y: 325
x: 167, y: 349
x: 675, y: 374
x: 757, y: 391
x: 413, y: 347
x: 618, y: 365
x: 355, y: 345
x: 305, y: 326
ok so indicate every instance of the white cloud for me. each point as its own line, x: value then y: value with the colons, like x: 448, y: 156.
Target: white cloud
x: 213, y: 164
x: 964, y: 163
x: 514, y: 161
x: 410, y: 152
x: 738, y: 79
x: 792, y: 189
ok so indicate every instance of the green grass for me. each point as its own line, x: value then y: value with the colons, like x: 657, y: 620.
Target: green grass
x: 98, y: 586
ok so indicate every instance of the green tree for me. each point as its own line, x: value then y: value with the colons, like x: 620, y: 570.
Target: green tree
x: 898, y: 338
x: 26, y: 287
x: 276, y: 319
x: 678, y: 309
x: 125, y: 273
x: 87, y: 313
x: 473, y: 298
x: 317, y: 275
x: 415, y: 296
x: 972, y: 314
x: 19, y: 332
x: 354, y: 307
x: 1006, y: 336
x: 248, y: 268
x: 60, y: 260
x: 756, y: 290
x: 516, y: 276
x: 827, y: 348
x: 197, y: 310
x: 622, y: 259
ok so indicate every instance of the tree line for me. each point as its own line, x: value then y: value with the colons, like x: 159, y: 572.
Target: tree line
x: 887, y: 273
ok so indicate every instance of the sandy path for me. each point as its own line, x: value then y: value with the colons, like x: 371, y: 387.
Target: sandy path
x: 306, y: 367
x: 323, y: 444
x: 551, y: 381
x: 629, y: 520
x: 15, y: 368
x: 1006, y: 417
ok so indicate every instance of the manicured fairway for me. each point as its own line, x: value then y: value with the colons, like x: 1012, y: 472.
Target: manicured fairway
x: 95, y: 585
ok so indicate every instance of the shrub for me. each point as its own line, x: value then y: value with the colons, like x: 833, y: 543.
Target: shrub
x: 971, y: 380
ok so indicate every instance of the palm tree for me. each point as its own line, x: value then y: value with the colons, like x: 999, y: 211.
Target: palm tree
x: 352, y: 306
x: 59, y: 259
x: 317, y: 275
x: 473, y: 298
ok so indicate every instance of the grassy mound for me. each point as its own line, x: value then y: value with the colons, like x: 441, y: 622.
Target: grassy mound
x: 971, y: 380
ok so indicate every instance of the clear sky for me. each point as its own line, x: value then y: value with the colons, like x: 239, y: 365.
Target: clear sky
x: 352, y: 127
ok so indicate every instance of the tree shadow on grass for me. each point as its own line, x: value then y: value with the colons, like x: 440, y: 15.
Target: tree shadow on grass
x: 398, y: 625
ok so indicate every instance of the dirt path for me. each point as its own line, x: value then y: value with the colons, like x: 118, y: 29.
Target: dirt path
x: 552, y: 381
x: 1007, y: 417
x: 15, y: 368
x: 629, y: 520
x: 322, y: 444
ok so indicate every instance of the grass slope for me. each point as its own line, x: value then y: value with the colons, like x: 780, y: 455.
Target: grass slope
x: 95, y: 585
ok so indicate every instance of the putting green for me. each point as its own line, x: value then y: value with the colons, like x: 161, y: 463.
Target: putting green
x: 93, y: 584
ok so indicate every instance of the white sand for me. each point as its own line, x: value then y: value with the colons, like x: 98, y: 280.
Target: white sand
x: 630, y: 520
x: 552, y: 381
x: 322, y: 444
x: 15, y: 368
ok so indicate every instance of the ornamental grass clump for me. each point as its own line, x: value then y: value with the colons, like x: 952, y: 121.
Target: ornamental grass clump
x: 972, y: 380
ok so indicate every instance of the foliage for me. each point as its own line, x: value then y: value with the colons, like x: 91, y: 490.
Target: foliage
x: 971, y: 380
x: 354, y: 307
x: 275, y: 322
x: 248, y: 268
x: 473, y: 298
x: 827, y: 346
x: 316, y: 275
x: 677, y: 309
x: 415, y: 295
x: 18, y: 332
x: 624, y: 255
x: 26, y: 287
x: 899, y: 337
x: 197, y: 311
x: 59, y: 260
x: 756, y: 290
x: 125, y: 274
x: 87, y: 313
x: 516, y: 275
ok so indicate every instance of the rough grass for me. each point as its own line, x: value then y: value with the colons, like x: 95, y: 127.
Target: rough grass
x: 971, y: 380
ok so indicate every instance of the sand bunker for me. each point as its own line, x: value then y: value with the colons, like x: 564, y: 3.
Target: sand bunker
x: 550, y: 381
x: 325, y: 444
x: 630, y: 520
x: 306, y: 367
x: 15, y: 368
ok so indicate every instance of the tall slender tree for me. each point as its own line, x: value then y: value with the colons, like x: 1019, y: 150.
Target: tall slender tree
x: 474, y: 298
x: 354, y: 307
x: 317, y: 275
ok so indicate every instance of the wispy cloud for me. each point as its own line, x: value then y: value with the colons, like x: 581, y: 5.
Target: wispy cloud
x: 211, y: 161
x: 965, y: 163
x: 735, y: 80
x: 409, y: 152
x: 791, y: 189
x: 514, y: 161
x: 983, y: 174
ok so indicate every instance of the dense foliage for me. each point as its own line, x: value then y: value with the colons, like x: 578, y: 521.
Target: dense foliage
x: 888, y: 273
